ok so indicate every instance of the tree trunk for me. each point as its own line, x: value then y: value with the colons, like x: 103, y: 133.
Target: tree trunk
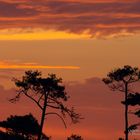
x: 42, y: 118
x: 126, y: 112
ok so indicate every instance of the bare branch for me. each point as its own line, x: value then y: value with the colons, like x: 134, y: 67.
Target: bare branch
x: 132, y: 81
x: 34, y: 100
x: 116, y: 87
x: 40, y: 98
x: 53, y: 113
x: 16, y: 98
x: 75, y: 117
x: 55, y: 107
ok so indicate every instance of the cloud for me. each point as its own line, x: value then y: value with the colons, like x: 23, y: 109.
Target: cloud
x: 12, y: 10
x: 93, y: 92
x: 98, y: 18
x: 11, y: 65
x: 38, y: 34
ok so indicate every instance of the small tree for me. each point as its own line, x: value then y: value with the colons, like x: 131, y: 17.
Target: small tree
x: 119, y: 80
x: 46, y: 92
x: 75, y: 137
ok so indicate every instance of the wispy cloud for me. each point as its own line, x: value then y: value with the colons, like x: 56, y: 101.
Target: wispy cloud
x: 9, y: 65
x: 97, y: 17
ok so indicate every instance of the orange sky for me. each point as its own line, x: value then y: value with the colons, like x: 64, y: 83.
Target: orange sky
x: 80, y: 41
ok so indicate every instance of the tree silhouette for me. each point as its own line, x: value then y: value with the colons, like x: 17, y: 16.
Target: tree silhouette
x: 75, y: 137
x: 25, y: 127
x: 119, y: 80
x: 133, y: 100
x: 46, y: 92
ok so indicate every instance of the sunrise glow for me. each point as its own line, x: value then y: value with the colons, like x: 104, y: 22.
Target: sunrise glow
x: 80, y: 41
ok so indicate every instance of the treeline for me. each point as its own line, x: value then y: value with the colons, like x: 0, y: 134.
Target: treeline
x: 49, y: 92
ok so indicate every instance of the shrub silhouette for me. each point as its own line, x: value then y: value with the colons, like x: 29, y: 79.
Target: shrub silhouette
x: 21, y: 127
x: 6, y: 136
x: 25, y: 126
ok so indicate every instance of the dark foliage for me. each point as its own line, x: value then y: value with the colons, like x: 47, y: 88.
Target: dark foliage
x: 25, y: 126
x: 120, y: 139
x: 75, y: 137
x: 6, y: 136
x: 133, y: 99
x: 133, y: 127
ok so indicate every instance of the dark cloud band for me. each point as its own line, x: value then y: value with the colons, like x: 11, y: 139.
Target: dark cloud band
x: 105, y: 17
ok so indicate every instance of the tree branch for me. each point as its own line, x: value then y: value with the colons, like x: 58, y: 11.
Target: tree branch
x: 33, y: 100
x: 53, y: 113
x: 16, y: 98
x: 55, y: 107
x: 40, y: 98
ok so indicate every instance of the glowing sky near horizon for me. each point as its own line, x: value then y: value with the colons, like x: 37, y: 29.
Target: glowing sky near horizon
x: 80, y: 41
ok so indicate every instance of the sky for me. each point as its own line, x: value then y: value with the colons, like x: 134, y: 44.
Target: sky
x: 80, y: 41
